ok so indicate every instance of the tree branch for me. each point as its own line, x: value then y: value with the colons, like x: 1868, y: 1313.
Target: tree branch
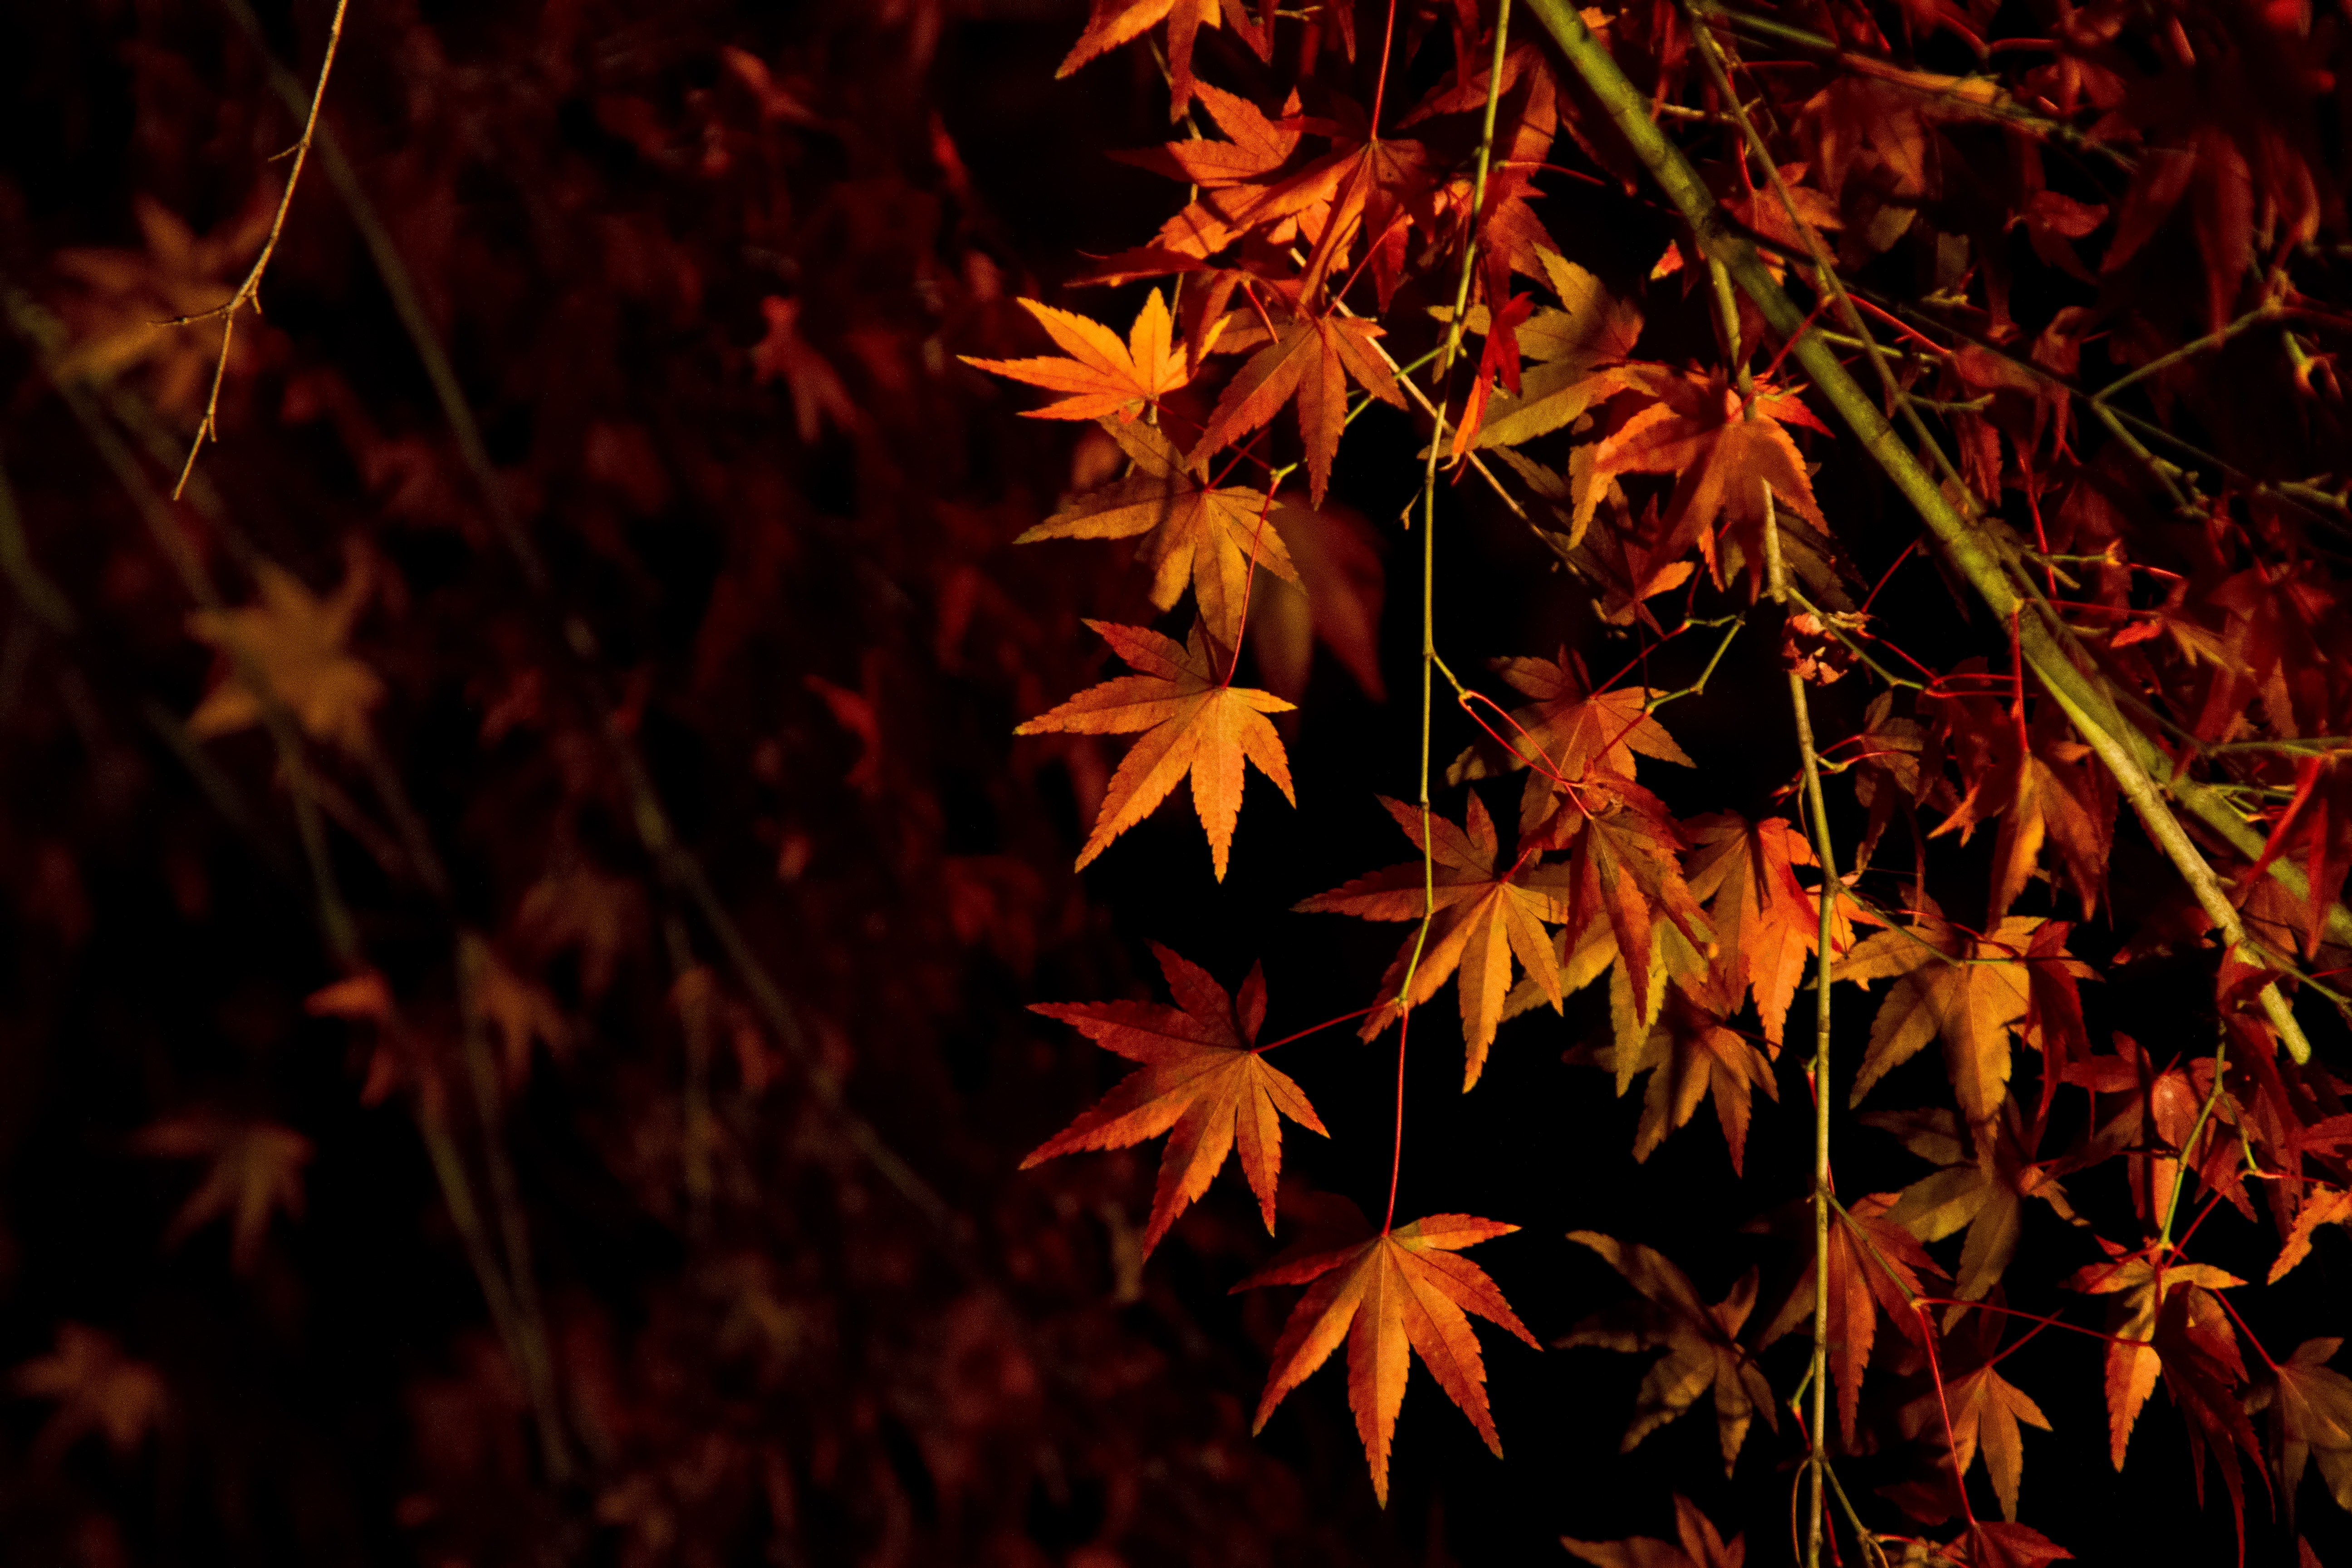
x: 1972, y: 552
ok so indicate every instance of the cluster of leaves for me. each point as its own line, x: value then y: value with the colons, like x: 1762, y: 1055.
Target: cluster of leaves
x: 2122, y: 432
x: 622, y: 677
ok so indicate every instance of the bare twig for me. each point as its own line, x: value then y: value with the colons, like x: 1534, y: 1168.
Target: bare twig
x: 249, y: 291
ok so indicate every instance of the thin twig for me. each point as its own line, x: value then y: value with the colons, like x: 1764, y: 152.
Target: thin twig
x: 249, y: 291
x: 1817, y: 809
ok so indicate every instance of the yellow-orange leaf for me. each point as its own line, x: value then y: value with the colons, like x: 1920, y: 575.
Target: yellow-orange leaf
x: 1487, y: 910
x: 291, y: 644
x: 1101, y: 375
x: 255, y: 1167
x: 1193, y: 723
x: 1702, y: 1352
x: 1208, y: 537
x: 1397, y: 1295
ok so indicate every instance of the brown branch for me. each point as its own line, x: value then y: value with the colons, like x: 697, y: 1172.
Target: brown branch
x: 249, y: 291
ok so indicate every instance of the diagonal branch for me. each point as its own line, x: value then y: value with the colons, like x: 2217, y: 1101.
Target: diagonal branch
x: 1978, y: 554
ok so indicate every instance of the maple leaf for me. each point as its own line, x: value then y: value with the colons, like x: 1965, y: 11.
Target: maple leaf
x: 518, y: 1012
x: 1199, y: 1078
x: 123, y: 315
x: 2003, y: 1545
x: 581, y: 909
x: 1103, y: 376
x: 2203, y: 1373
x: 1984, y: 1192
x: 97, y: 1387
x: 2319, y: 814
x: 2134, y: 1360
x: 1311, y: 358
x: 1192, y: 723
x: 1485, y: 910
x: 1210, y: 538
x: 1568, y: 732
x: 1254, y: 146
x: 1624, y: 866
x: 2042, y: 786
x: 2320, y: 1205
x: 255, y: 1168
x: 1984, y: 1410
x: 1689, y: 1055
x: 1972, y: 992
x: 2309, y: 1405
x: 1115, y: 22
x: 1876, y: 1265
x: 1573, y: 347
x: 1702, y: 1353
x: 292, y: 642
x: 1695, y: 427
x: 1882, y: 760
x: 1405, y: 1289
x: 1766, y: 924
x: 1697, y: 1544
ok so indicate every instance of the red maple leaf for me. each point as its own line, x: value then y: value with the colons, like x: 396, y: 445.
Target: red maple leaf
x: 1201, y: 1082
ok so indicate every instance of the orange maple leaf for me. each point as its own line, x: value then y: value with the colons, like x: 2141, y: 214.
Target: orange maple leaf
x: 2320, y: 1205
x: 1487, y: 908
x: 1312, y: 359
x: 97, y: 1387
x: 1766, y: 923
x: 2141, y: 1289
x: 1193, y: 723
x: 2310, y: 1407
x: 1972, y: 992
x: 1694, y: 425
x: 2042, y: 786
x: 1689, y: 1055
x: 1874, y: 1265
x: 1625, y: 868
x: 1984, y: 1190
x: 1115, y: 22
x: 1200, y: 1078
x: 1696, y: 1544
x: 1194, y: 534
x: 1568, y: 732
x: 1573, y: 350
x: 255, y: 1167
x: 1985, y: 1410
x: 1702, y: 1353
x: 1103, y: 376
x: 290, y: 643
x: 1401, y: 1293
